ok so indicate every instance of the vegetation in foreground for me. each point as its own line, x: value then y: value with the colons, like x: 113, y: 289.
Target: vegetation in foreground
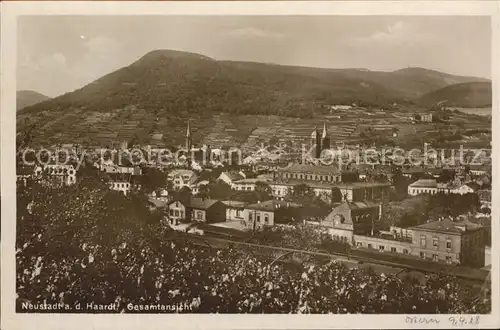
x: 84, y: 244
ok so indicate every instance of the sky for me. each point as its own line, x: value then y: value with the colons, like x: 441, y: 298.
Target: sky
x: 58, y: 54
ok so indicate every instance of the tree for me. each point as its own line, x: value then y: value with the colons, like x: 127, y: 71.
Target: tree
x: 204, y: 191
x: 313, y: 207
x: 301, y: 194
x: 262, y: 191
x: 153, y: 179
x: 184, y: 195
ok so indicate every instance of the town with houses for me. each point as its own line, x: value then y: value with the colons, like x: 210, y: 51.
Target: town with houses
x: 291, y: 164
x: 355, y: 196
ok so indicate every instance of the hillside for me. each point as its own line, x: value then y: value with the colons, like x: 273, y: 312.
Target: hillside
x: 28, y: 98
x: 467, y: 95
x: 157, y: 93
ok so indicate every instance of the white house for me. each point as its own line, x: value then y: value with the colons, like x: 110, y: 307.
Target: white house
x: 230, y: 177
x: 479, y: 169
x: 182, y: 178
x: 161, y: 195
x: 427, y: 186
x: 122, y: 186
x: 63, y: 174
x: 463, y: 189
x: 246, y: 184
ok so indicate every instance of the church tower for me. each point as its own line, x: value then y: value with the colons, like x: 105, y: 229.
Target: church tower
x: 189, y: 141
x: 316, y: 142
x: 325, y: 139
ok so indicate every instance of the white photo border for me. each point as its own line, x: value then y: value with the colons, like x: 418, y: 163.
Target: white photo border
x: 9, y: 13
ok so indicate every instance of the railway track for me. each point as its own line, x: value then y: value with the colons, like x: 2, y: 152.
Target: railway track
x: 350, y: 259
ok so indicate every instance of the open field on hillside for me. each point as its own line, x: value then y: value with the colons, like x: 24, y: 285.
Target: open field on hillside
x: 247, y: 131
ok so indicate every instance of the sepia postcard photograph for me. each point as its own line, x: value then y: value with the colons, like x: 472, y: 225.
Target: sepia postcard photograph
x: 249, y: 165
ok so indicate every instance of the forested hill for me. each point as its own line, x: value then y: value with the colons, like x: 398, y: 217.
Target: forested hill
x: 181, y: 83
x: 467, y: 95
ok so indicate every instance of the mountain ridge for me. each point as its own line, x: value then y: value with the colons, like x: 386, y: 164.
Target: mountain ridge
x: 467, y: 95
x: 161, y: 89
x: 26, y: 98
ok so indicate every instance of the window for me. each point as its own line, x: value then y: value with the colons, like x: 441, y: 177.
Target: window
x: 359, y: 244
x: 238, y: 213
x: 370, y: 246
x: 423, y: 241
x: 435, y: 257
x: 171, y: 212
x: 435, y: 242
x: 448, y: 244
x: 405, y: 251
x: 393, y: 249
x: 199, y: 215
x: 258, y: 217
x: 176, y: 212
x: 250, y: 216
x: 422, y: 255
x: 448, y: 259
x: 266, y: 219
x: 381, y: 247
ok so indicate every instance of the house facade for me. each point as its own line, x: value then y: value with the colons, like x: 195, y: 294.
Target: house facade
x: 203, y: 210
x: 460, y: 242
x: 269, y: 213
x: 351, y: 218
x: 246, y: 184
x: 235, y: 210
x: 182, y: 178
x: 364, y: 191
x: 206, y: 210
x: 463, y: 189
x: 176, y: 212
x: 123, y: 187
x: 56, y: 174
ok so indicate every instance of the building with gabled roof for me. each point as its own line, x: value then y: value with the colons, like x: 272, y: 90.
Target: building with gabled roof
x: 196, y: 209
x: 230, y: 176
x: 269, y: 213
x: 351, y: 218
